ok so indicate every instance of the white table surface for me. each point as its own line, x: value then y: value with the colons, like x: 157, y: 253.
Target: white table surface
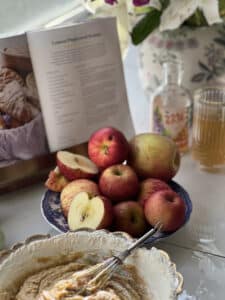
x: 198, y: 250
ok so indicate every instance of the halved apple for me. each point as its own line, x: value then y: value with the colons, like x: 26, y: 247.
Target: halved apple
x: 74, y: 188
x: 75, y: 166
x: 90, y: 212
x: 56, y: 181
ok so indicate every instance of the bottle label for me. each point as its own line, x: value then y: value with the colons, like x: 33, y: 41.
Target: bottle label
x: 172, y: 123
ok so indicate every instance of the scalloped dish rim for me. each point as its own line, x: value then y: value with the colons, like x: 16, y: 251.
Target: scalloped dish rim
x: 5, y: 254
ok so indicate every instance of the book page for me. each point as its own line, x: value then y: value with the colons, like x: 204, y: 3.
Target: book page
x: 80, y: 80
x: 22, y: 133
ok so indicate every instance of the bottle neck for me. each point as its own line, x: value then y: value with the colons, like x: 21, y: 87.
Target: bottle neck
x: 172, y: 73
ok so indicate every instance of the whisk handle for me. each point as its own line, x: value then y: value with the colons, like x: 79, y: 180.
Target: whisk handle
x: 123, y: 255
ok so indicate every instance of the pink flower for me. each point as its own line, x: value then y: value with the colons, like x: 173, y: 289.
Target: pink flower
x: 140, y: 2
x: 111, y: 2
x: 169, y: 44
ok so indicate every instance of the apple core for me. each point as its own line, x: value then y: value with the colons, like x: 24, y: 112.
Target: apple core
x: 117, y: 172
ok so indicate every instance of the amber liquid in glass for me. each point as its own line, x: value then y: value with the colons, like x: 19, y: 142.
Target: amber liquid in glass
x: 209, y: 141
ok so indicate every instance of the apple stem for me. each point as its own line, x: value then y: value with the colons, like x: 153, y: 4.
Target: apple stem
x: 76, y: 160
x: 106, y: 149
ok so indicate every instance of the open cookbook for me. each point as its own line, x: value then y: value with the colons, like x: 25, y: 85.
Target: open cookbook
x: 56, y: 87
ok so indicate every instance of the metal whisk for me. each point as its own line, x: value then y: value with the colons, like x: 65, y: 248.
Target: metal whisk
x: 104, y: 271
x: 96, y: 276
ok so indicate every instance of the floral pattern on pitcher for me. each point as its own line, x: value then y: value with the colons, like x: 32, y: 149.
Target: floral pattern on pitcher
x: 202, y: 51
x: 214, y: 66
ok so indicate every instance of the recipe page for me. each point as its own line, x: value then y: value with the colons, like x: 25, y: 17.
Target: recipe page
x: 80, y: 81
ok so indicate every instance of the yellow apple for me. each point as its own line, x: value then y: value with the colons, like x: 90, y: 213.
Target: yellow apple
x: 154, y: 155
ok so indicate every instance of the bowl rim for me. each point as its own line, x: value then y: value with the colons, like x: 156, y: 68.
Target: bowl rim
x: 6, y: 253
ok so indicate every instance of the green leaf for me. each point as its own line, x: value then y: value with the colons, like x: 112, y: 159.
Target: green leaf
x: 164, y: 3
x: 141, y: 10
x: 197, y: 19
x: 222, y: 7
x: 209, y: 77
x: 203, y: 66
x: 145, y: 26
x: 198, y: 77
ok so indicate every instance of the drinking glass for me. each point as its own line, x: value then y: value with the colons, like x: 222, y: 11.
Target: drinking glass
x: 208, y: 140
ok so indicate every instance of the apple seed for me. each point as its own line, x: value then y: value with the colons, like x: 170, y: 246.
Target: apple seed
x: 83, y: 216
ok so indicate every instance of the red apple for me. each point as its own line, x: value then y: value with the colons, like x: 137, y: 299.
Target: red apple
x: 56, y: 181
x: 166, y: 207
x: 154, y: 156
x: 119, y: 182
x: 90, y: 212
x: 129, y: 217
x: 74, y: 166
x: 150, y: 186
x: 75, y: 187
x: 108, y: 146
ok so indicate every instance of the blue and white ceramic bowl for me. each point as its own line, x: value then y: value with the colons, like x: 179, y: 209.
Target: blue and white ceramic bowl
x: 51, y: 211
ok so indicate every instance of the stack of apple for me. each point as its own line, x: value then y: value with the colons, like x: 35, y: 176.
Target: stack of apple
x: 122, y: 185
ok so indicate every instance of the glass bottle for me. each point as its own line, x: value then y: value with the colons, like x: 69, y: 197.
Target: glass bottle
x: 171, y: 107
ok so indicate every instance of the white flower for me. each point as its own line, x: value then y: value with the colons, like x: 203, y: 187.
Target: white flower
x: 180, y: 10
x: 119, y: 10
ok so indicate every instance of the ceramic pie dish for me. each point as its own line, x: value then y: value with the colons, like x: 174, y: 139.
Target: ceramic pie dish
x: 154, y: 268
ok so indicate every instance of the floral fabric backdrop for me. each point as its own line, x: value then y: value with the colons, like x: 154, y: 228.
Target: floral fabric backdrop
x: 202, y: 52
